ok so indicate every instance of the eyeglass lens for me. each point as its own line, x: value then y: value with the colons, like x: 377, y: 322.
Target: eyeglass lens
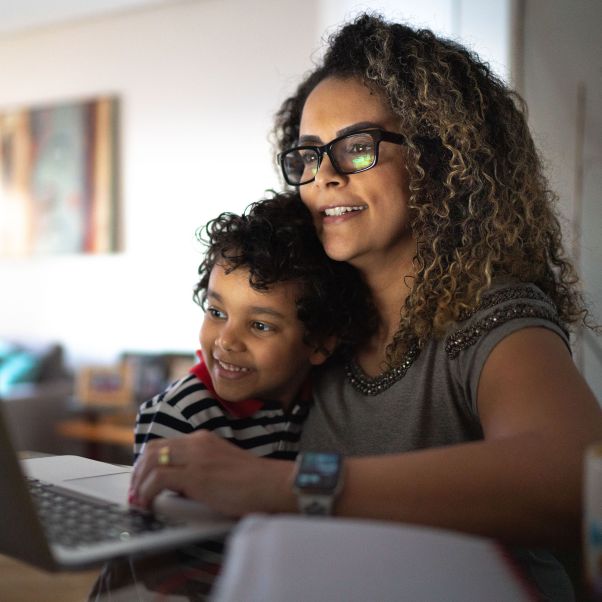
x: 350, y: 154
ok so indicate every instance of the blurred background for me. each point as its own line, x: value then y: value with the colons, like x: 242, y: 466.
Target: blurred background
x: 196, y: 84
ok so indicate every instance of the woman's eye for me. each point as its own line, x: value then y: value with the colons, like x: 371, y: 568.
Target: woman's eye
x: 216, y: 313
x: 360, y: 154
x: 309, y: 157
x: 359, y: 149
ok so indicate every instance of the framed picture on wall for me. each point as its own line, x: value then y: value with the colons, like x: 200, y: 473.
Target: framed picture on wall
x: 58, y: 178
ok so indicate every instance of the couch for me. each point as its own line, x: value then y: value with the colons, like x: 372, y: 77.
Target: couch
x: 36, y: 390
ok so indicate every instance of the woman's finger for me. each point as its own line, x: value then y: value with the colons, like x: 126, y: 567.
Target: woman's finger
x: 205, y: 468
x: 156, y: 481
x: 162, y: 453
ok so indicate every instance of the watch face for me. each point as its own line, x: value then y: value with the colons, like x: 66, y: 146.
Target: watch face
x: 318, y: 471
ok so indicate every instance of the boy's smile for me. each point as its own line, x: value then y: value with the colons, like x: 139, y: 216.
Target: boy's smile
x: 253, y: 341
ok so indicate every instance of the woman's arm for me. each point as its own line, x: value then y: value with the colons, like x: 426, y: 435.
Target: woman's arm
x: 522, y: 484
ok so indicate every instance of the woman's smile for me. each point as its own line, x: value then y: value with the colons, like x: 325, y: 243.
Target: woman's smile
x: 342, y: 210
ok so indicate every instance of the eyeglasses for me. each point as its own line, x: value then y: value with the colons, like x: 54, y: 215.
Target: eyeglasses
x: 351, y: 153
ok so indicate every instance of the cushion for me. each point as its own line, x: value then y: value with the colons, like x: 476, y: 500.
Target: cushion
x: 17, y: 367
x: 29, y: 364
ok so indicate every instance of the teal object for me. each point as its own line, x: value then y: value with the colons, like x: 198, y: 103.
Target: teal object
x: 16, y: 368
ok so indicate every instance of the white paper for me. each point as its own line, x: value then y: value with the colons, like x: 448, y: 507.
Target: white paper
x: 271, y: 559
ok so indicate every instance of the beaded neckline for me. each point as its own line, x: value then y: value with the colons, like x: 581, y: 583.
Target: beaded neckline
x: 509, y: 303
x: 367, y: 385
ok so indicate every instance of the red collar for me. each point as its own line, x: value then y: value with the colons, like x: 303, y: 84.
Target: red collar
x: 239, y: 409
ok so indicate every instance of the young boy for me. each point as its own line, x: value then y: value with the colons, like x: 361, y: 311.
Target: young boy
x: 275, y: 305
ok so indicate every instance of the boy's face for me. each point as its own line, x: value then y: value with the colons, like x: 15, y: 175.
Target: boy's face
x: 252, y: 340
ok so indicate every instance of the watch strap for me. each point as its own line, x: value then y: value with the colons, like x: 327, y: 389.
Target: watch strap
x: 315, y: 504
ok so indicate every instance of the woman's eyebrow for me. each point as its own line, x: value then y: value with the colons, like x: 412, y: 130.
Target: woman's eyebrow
x: 309, y: 140
x: 354, y: 127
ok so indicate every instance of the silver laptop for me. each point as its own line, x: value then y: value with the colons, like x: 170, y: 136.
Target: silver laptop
x: 69, y: 512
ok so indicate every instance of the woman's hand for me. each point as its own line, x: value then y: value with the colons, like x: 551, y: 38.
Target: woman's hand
x: 204, y: 467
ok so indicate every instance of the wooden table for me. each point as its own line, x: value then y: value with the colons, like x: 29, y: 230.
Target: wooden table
x: 23, y: 583
x: 100, y: 428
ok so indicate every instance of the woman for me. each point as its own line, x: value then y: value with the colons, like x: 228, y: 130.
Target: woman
x: 465, y: 410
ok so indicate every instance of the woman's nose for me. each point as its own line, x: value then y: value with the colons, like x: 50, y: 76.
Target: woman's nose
x: 327, y: 174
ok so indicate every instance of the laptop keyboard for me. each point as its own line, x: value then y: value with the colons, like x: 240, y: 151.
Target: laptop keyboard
x: 72, y: 521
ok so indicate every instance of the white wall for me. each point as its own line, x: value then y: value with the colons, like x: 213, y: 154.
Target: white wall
x: 199, y: 82
x: 481, y: 26
x: 563, y: 88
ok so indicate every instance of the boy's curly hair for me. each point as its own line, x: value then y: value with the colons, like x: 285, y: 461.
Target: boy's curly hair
x: 276, y: 241
x: 479, y: 206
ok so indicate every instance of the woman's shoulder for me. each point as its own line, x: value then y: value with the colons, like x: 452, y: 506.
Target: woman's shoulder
x: 507, y: 306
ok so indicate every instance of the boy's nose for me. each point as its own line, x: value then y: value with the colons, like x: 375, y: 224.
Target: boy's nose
x: 228, y: 340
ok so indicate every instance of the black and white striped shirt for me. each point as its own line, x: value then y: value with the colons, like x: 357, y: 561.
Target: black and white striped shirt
x: 262, y: 427
x: 190, y: 404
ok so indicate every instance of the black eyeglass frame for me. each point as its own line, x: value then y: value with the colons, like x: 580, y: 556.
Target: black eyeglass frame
x: 377, y: 134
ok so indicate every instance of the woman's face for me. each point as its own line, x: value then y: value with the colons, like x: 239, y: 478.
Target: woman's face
x: 360, y: 218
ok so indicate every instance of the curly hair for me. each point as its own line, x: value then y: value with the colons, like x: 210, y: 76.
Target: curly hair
x: 480, y: 207
x: 276, y: 241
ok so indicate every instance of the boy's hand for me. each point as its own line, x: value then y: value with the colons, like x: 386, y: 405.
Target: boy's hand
x: 204, y: 467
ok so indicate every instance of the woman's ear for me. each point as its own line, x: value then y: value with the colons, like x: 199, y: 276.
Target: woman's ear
x: 323, y: 350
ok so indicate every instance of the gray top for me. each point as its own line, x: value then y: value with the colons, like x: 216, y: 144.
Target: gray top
x: 431, y: 400
x: 435, y: 402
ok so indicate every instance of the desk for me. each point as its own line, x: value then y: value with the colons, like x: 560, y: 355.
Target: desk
x: 27, y: 584
x: 96, y: 429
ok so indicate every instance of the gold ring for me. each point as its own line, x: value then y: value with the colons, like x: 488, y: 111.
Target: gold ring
x: 164, y: 458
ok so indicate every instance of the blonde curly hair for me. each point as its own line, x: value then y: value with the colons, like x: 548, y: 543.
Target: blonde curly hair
x: 480, y: 207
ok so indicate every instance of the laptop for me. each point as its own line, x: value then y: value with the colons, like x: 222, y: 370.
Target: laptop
x: 70, y: 512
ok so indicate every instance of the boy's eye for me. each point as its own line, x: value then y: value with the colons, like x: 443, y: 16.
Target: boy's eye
x: 216, y: 313
x: 262, y: 326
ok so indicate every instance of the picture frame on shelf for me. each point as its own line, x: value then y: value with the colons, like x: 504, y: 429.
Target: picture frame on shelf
x: 153, y: 372
x: 149, y: 372
x: 179, y: 365
x: 105, y: 386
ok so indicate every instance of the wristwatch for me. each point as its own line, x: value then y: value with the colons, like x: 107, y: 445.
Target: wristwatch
x: 318, y: 481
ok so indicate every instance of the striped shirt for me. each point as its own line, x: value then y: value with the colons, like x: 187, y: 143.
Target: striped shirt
x: 259, y: 426
x: 191, y: 404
